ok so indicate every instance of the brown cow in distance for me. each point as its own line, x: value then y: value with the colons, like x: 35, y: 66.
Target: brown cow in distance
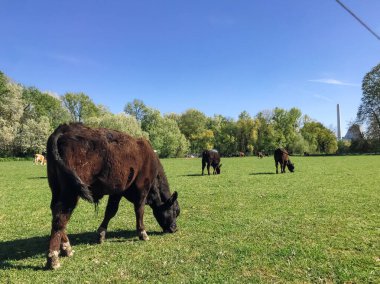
x: 39, y: 159
x: 211, y: 157
x: 90, y: 163
x: 281, y: 156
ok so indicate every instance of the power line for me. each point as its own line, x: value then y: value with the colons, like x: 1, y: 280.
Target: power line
x: 357, y: 18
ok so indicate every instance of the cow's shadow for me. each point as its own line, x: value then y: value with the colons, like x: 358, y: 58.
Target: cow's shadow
x: 262, y: 173
x: 21, y: 249
x: 191, y: 175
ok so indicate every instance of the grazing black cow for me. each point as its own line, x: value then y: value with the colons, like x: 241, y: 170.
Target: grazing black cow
x: 90, y: 163
x: 211, y: 157
x: 281, y: 156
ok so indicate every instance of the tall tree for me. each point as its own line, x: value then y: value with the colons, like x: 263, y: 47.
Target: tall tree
x: 32, y: 136
x: 11, y: 111
x: 80, y: 106
x: 38, y: 104
x: 224, y: 134
x: 246, y: 128
x: 265, y: 132
x: 120, y: 122
x: 192, y: 124
x: 286, y: 125
x: 136, y: 108
x: 369, y: 110
x: 164, y: 134
x: 319, y: 138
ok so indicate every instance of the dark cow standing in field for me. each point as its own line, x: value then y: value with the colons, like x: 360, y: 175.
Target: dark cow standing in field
x: 211, y: 157
x: 90, y: 163
x: 281, y: 156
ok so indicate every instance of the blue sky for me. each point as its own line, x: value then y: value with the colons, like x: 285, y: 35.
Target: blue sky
x: 220, y: 57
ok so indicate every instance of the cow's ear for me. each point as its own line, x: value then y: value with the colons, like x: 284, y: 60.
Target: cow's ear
x: 172, y: 199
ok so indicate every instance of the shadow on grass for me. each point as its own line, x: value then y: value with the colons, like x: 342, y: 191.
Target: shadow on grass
x: 262, y: 173
x: 35, y: 246
x: 191, y: 175
x: 37, y: 177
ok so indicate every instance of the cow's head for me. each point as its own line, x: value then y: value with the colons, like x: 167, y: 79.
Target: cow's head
x: 167, y: 213
x: 290, y: 166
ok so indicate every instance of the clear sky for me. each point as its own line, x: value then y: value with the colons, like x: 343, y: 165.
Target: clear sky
x: 217, y: 56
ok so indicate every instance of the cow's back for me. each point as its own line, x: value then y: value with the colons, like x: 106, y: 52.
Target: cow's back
x: 280, y: 155
x: 111, y: 158
x: 210, y: 155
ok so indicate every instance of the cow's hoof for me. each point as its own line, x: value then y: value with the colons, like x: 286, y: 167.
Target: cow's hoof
x: 66, y: 249
x: 53, y: 260
x: 101, y: 235
x: 143, y: 236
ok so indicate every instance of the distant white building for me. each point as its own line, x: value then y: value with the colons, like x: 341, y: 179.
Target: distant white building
x: 354, y: 133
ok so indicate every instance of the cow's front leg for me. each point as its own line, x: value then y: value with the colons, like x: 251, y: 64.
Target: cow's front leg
x: 203, y: 167
x: 111, y: 210
x: 283, y: 165
x: 140, y: 228
x: 208, y: 168
x: 276, y: 163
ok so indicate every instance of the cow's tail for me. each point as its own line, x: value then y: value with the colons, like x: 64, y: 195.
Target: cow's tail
x: 72, y: 180
x: 286, y: 152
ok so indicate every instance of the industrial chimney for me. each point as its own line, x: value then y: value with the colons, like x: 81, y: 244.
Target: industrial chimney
x: 338, y: 122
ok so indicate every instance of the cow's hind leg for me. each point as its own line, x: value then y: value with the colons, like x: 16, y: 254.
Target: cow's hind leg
x: 66, y: 249
x: 111, y: 210
x: 276, y: 164
x: 61, y: 211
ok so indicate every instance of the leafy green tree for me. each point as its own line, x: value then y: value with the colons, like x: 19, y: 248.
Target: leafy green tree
x: 136, y: 108
x: 224, y: 134
x: 286, y: 125
x: 265, y: 132
x: 38, y: 104
x: 81, y: 107
x: 32, y: 136
x: 247, y: 130
x: 120, y: 122
x: 164, y: 134
x: 369, y: 110
x: 203, y: 140
x: 192, y: 124
x: 169, y: 140
x: 319, y: 138
x: 11, y: 111
x: 299, y: 145
x: 173, y: 116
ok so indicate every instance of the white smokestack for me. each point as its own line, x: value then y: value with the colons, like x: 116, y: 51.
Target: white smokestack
x: 339, y: 136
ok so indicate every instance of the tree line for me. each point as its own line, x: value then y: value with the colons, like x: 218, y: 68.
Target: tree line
x: 28, y: 116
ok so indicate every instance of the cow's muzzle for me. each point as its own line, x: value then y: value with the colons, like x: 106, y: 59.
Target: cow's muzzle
x: 171, y: 229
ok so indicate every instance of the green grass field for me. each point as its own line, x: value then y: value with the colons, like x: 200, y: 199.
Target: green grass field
x: 320, y: 224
